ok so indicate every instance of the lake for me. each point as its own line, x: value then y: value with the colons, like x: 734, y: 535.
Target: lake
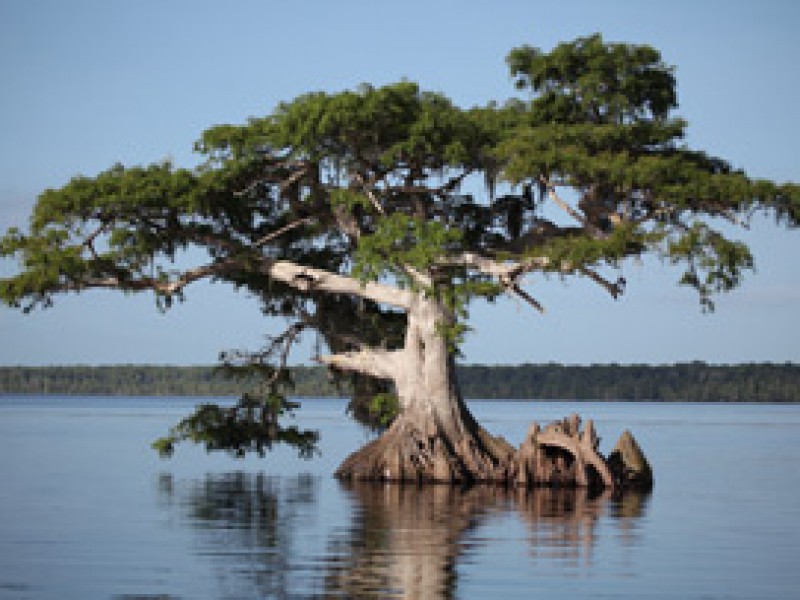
x: 88, y: 510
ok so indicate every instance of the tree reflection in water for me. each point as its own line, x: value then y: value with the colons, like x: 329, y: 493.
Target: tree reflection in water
x: 405, y: 541
x: 246, y: 525
x: 402, y: 541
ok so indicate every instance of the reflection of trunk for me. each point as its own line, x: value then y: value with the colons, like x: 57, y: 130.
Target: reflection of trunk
x: 405, y: 541
x: 435, y: 438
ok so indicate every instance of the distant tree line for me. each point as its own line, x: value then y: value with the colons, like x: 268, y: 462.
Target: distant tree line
x: 691, y: 382
x: 694, y: 382
x: 148, y: 380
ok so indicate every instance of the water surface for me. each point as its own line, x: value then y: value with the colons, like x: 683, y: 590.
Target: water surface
x: 87, y: 510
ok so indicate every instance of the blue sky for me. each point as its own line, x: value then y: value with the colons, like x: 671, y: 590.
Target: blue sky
x: 84, y: 84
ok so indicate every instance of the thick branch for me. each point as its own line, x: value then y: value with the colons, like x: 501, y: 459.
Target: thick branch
x: 381, y: 364
x: 318, y: 280
x: 300, y: 277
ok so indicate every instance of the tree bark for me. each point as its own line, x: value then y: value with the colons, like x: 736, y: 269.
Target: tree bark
x: 435, y: 438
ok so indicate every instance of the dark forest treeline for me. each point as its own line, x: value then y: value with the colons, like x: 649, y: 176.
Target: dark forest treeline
x: 697, y: 382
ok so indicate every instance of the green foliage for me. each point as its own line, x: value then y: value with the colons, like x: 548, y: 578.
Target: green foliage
x: 367, y: 183
x: 599, y: 124
x: 384, y: 408
x: 567, y: 254
x: 252, y: 425
x: 588, y: 80
x: 384, y: 126
x: 400, y: 241
x: 348, y: 200
x: 715, y: 263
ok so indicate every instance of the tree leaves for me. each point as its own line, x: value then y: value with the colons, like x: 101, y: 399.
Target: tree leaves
x: 588, y: 80
x: 251, y: 425
x: 377, y: 128
x: 366, y: 183
x: 400, y: 241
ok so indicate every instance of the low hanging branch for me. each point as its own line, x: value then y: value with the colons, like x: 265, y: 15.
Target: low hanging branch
x: 377, y: 363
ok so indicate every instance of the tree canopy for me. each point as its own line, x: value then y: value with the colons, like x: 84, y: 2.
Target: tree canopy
x: 337, y: 210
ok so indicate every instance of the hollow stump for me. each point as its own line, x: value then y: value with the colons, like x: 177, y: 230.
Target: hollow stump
x: 563, y: 455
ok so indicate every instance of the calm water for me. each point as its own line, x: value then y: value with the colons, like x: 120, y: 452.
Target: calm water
x: 87, y: 510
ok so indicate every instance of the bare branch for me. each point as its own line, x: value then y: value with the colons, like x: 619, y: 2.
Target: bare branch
x: 277, y: 348
x: 507, y: 273
x: 381, y: 364
x: 421, y: 279
x: 551, y: 193
x: 293, y: 178
x: 311, y: 280
x: 527, y: 297
x: 347, y: 223
x: 159, y: 286
x: 306, y: 279
x: 447, y: 187
x: 615, y: 289
x: 368, y: 191
x: 279, y: 232
x: 511, y: 269
x: 89, y: 241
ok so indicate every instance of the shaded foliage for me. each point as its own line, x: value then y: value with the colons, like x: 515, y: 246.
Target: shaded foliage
x: 253, y: 424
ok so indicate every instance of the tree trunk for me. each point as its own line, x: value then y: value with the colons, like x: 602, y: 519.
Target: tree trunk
x: 434, y: 438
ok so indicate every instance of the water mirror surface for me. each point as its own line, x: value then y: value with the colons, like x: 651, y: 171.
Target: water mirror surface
x: 87, y: 510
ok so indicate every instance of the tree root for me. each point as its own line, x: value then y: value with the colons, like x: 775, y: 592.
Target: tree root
x: 406, y: 453
x: 560, y: 455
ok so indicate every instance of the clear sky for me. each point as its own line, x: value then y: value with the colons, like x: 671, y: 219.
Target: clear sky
x: 87, y: 83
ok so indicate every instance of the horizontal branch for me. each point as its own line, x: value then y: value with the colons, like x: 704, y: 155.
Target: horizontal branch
x: 310, y: 279
x: 441, y: 190
x: 160, y: 286
x: 507, y: 273
x: 381, y: 364
x: 306, y: 279
x: 510, y: 269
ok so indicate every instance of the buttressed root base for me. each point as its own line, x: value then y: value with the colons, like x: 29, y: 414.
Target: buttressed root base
x: 562, y: 454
